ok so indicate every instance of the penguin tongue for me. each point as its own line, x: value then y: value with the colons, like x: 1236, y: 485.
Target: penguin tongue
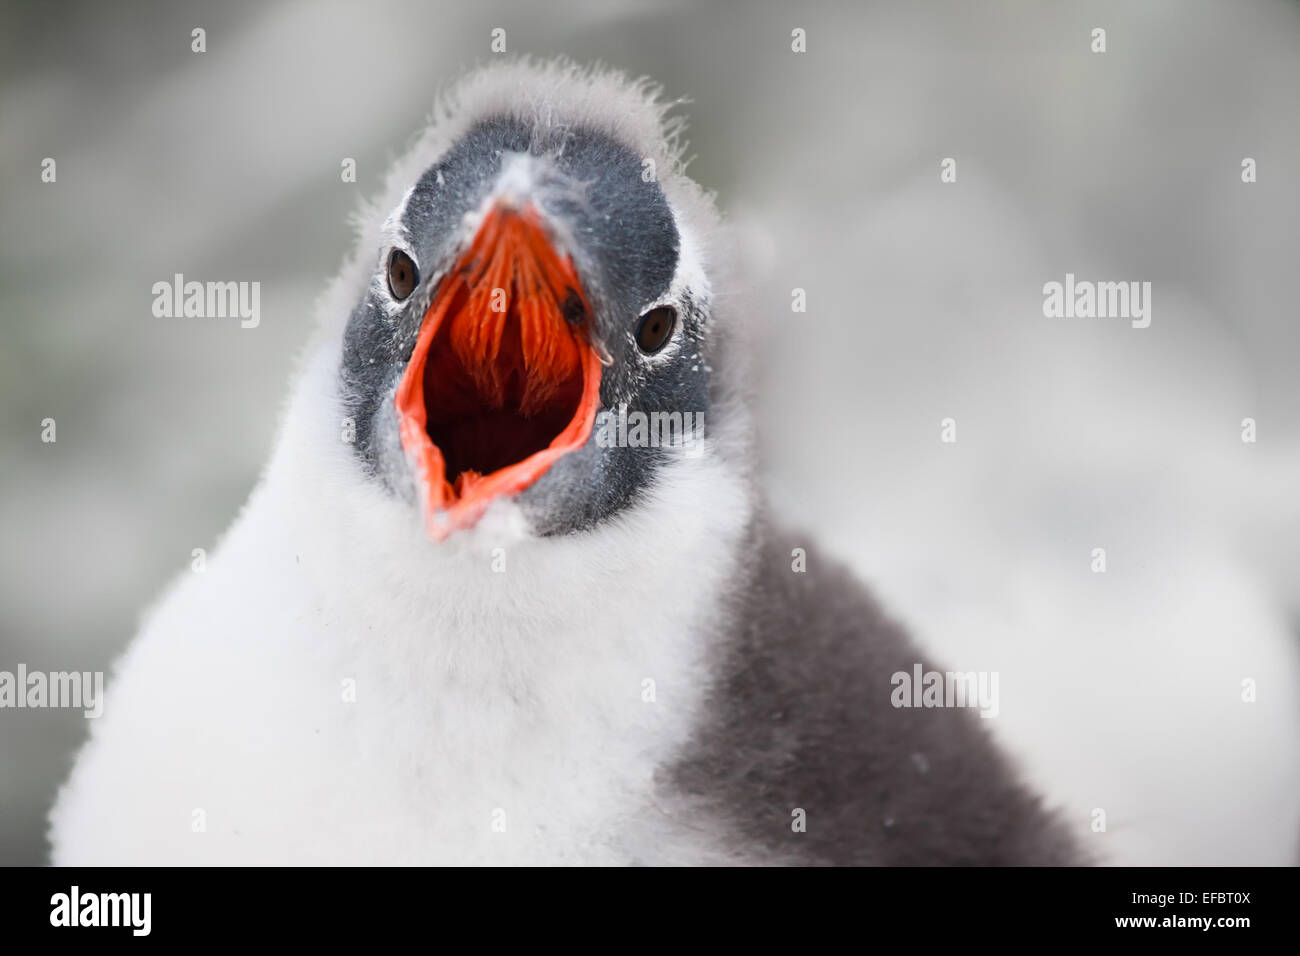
x: 500, y: 384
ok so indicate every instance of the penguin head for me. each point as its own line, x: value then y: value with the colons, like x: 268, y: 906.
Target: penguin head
x: 536, y: 330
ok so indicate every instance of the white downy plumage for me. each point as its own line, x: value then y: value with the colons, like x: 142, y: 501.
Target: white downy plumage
x: 332, y: 688
x: 229, y: 734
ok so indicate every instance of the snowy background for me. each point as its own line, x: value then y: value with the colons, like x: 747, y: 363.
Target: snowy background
x: 1120, y: 691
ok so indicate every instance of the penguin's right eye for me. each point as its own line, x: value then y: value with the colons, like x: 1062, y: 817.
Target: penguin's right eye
x: 402, y: 274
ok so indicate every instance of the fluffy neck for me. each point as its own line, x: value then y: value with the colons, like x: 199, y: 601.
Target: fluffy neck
x: 494, y: 599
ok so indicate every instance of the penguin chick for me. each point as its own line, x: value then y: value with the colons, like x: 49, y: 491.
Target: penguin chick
x: 476, y: 610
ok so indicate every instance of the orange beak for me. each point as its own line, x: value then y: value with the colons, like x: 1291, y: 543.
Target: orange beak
x: 500, y: 384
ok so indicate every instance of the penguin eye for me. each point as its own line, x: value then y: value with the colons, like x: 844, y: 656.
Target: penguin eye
x: 656, y: 329
x: 402, y: 274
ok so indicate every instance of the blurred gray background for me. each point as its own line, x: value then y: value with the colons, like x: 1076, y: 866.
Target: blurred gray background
x: 1119, y: 691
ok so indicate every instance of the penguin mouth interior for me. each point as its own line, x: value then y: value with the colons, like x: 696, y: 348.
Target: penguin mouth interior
x: 502, y: 381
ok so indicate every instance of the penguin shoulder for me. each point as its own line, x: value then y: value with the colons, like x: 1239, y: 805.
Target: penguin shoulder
x: 808, y: 753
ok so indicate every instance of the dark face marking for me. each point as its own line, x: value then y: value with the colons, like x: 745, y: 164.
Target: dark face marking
x: 623, y: 238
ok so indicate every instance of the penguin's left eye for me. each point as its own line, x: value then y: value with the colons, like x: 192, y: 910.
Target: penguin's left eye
x: 656, y: 329
x: 402, y: 274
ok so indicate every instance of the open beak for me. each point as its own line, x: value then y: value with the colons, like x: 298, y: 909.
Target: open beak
x: 503, y: 380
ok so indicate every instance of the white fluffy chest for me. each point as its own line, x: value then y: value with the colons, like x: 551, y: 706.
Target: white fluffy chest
x: 526, y: 739
x: 350, y: 693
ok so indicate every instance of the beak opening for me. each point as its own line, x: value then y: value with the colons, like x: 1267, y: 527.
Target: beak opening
x: 503, y: 380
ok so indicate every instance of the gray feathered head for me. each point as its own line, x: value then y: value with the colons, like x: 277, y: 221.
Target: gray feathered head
x: 538, y: 315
